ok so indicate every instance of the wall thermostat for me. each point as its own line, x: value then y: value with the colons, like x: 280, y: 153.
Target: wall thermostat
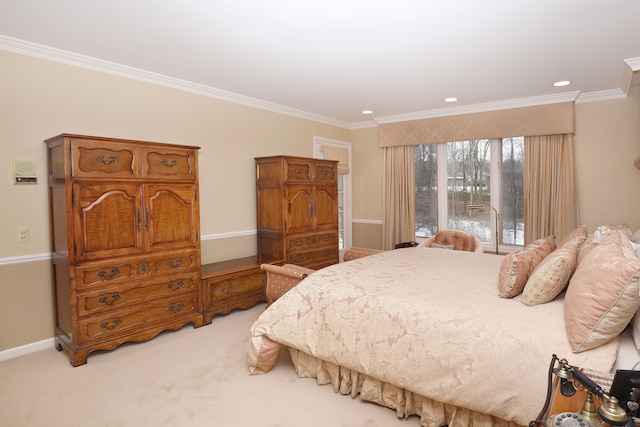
x: 24, y: 172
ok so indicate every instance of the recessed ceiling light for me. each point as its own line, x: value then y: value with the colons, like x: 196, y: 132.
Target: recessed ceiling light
x: 367, y: 111
x: 452, y: 99
x: 562, y: 83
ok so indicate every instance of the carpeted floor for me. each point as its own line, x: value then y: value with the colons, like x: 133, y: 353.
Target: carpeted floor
x: 192, y: 377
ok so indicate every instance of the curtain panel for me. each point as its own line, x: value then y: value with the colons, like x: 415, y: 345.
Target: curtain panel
x: 551, y: 119
x: 550, y: 193
x: 398, y: 196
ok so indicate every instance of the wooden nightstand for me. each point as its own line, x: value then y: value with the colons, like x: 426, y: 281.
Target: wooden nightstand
x: 227, y: 285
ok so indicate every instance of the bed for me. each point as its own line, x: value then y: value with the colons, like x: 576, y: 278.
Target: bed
x: 424, y: 331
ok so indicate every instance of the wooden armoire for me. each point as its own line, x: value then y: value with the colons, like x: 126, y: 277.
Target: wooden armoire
x: 125, y: 238
x: 297, y: 210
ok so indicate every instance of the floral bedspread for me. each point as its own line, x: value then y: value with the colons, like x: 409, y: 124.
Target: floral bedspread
x: 429, y: 321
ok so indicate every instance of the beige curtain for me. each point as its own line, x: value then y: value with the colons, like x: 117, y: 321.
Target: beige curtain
x: 551, y: 199
x: 398, y: 196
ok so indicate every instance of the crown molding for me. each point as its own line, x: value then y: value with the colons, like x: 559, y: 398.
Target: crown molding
x: 10, y: 44
x: 480, y: 108
x: 22, y: 47
x: 629, y: 73
x: 603, y: 95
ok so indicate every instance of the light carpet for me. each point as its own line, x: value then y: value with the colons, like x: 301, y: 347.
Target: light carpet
x: 190, y: 377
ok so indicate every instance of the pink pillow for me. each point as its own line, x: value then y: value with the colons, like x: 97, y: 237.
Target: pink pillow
x: 602, y: 296
x: 517, y: 266
x: 580, y: 231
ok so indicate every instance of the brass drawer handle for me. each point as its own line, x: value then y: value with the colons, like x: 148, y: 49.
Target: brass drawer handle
x: 298, y: 170
x: 110, y: 326
x: 299, y: 242
x: 168, y: 164
x: 111, y: 159
x: 299, y: 258
x: 226, y: 290
x: 144, y: 267
x: 106, y: 301
x: 177, y: 263
x: 176, y: 308
x: 324, y: 172
x: 106, y: 276
x: 177, y: 285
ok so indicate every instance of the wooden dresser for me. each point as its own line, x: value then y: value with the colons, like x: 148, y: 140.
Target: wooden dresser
x: 125, y: 233
x: 297, y: 210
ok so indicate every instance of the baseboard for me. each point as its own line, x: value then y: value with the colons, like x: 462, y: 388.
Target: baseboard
x: 26, y: 349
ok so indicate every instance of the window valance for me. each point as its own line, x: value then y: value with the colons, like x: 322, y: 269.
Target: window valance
x: 549, y: 119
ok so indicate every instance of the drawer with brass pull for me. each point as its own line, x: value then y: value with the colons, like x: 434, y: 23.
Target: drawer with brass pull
x: 116, y: 298
x: 121, y: 322
x: 95, y: 274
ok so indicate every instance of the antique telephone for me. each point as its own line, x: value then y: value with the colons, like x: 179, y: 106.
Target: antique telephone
x: 571, y: 380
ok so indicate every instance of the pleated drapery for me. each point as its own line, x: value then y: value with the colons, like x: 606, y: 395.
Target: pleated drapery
x: 550, y: 202
x: 399, y: 202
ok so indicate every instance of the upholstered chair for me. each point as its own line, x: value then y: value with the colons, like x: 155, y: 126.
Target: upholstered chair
x: 454, y: 239
x: 281, y: 279
x: 355, y: 253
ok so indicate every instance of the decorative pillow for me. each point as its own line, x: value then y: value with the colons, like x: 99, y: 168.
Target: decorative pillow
x: 517, y: 266
x: 595, y: 238
x: 586, y: 247
x: 602, y: 296
x: 437, y: 246
x: 580, y: 231
x: 552, y: 275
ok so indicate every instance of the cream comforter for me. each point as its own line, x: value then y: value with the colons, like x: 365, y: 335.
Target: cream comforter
x: 428, y: 321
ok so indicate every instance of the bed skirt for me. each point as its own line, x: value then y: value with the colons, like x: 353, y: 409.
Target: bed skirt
x: 431, y: 412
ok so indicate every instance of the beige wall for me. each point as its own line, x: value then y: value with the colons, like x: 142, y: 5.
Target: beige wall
x: 606, y: 143
x: 41, y: 99
x: 367, y: 188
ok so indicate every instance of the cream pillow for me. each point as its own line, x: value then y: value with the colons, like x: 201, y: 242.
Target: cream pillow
x: 552, y: 275
x: 602, y: 296
x: 517, y: 266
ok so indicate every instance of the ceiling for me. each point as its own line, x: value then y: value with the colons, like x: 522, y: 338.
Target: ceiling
x: 331, y: 59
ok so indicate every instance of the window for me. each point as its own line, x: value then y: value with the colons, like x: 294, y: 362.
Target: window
x: 465, y: 169
x: 325, y: 148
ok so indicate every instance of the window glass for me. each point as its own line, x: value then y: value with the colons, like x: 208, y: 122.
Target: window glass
x: 426, y: 190
x: 468, y: 175
x: 512, y: 202
x: 467, y: 169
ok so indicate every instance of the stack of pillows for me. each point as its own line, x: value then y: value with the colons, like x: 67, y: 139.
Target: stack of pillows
x: 601, y: 275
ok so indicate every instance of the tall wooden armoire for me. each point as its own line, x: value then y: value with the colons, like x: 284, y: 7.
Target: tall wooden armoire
x: 297, y: 210
x: 125, y: 233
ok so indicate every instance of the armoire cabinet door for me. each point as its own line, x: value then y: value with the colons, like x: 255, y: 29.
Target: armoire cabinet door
x: 326, y: 208
x: 107, y: 220
x: 299, y: 214
x: 171, y: 216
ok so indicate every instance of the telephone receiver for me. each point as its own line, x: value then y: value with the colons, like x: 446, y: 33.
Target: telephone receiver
x: 609, y: 411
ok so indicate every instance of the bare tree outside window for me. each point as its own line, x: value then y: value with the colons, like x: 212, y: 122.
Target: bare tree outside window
x: 468, y: 169
x: 512, y: 206
x: 426, y: 190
